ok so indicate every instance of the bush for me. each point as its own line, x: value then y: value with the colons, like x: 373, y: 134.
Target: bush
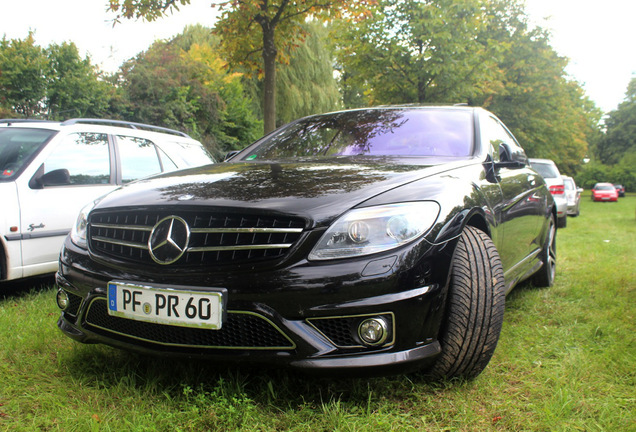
x: 595, y: 172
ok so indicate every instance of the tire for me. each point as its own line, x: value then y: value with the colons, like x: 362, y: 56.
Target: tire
x: 545, y: 276
x: 562, y: 222
x: 475, y: 308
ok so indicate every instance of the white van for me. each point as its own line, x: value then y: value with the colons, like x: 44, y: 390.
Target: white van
x: 50, y: 170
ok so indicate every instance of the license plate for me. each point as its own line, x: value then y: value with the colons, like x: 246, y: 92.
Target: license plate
x: 177, y: 307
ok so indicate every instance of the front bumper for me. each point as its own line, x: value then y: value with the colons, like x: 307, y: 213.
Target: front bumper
x: 304, y: 316
x: 561, y: 205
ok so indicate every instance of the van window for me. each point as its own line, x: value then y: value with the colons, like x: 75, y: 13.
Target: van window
x: 18, y: 147
x: 138, y: 157
x: 85, y: 156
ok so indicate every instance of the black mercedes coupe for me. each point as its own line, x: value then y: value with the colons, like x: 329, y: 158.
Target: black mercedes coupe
x: 378, y: 240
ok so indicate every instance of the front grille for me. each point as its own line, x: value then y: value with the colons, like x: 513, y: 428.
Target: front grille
x: 339, y: 330
x: 242, y: 330
x: 75, y: 302
x: 214, y: 238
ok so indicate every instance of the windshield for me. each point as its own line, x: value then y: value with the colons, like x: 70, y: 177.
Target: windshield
x: 568, y: 183
x: 608, y: 187
x: 375, y: 132
x: 17, y: 148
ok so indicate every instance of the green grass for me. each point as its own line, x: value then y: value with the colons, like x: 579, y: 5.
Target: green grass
x: 566, y: 361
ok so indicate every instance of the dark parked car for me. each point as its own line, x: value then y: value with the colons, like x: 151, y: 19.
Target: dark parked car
x: 377, y: 240
x: 620, y: 189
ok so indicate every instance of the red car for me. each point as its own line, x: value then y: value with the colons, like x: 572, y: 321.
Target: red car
x: 604, y: 192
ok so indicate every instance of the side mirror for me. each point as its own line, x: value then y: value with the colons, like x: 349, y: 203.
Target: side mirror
x: 507, y: 158
x: 58, y: 177
x: 230, y: 155
x: 579, y: 190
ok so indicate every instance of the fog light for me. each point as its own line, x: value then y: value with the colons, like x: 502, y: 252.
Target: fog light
x: 62, y: 299
x: 373, y: 331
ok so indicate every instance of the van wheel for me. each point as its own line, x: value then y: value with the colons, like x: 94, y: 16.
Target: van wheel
x: 475, y: 308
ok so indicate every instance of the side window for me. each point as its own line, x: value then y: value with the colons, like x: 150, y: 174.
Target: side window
x: 138, y: 158
x: 85, y: 156
x: 495, y: 134
x: 168, y: 164
x: 185, y: 154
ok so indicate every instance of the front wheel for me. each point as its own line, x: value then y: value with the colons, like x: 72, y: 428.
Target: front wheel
x: 475, y: 308
x: 546, y: 274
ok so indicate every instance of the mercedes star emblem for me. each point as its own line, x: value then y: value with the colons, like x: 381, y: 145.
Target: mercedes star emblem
x: 169, y: 240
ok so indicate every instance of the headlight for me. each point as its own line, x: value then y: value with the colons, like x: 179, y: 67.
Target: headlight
x: 78, y: 233
x: 375, y: 229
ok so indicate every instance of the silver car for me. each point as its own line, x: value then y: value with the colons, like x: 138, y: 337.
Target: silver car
x: 573, y: 195
x: 554, y: 180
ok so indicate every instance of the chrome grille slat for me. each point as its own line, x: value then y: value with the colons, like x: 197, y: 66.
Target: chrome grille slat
x: 126, y: 227
x: 121, y: 243
x: 246, y: 230
x: 238, y: 248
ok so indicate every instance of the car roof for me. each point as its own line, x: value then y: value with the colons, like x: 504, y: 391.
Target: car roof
x: 56, y: 125
x: 538, y: 160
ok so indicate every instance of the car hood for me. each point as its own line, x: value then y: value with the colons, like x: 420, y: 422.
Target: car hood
x: 317, y: 191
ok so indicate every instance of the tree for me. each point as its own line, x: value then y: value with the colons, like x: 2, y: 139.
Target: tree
x: 74, y: 87
x: 271, y: 28
x: 184, y: 84
x: 620, y: 137
x: 547, y: 112
x: 306, y: 85
x: 53, y: 82
x: 22, y: 76
x: 414, y: 51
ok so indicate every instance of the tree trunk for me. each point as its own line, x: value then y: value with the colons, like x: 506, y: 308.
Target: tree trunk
x: 269, y: 79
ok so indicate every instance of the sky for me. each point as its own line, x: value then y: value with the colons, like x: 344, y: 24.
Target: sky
x: 598, y: 37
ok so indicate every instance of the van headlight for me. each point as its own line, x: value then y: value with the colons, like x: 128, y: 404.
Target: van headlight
x: 376, y: 229
x: 78, y: 232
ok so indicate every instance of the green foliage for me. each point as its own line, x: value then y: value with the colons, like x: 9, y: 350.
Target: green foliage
x: 22, y: 76
x: 306, y: 84
x: 549, y: 115
x: 596, y: 172
x: 259, y: 34
x: 615, y: 152
x: 54, y: 83
x: 424, y: 52
x: 619, y: 141
x: 149, y: 10
x: 74, y: 87
x: 184, y: 84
